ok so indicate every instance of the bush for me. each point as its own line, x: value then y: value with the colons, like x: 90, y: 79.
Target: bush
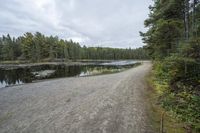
x: 179, y: 79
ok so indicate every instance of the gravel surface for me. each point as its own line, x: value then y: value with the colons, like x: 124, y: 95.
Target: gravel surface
x: 113, y: 103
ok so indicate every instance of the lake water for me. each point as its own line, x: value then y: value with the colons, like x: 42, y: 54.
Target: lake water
x: 9, y: 77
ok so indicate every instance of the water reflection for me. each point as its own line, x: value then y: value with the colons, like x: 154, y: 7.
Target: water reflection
x: 30, y: 74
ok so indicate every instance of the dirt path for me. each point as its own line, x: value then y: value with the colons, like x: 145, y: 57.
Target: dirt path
x: 113, y: 103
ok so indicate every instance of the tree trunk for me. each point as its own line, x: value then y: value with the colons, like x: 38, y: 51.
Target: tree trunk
x: 194, y: 31
x: 186, y: 19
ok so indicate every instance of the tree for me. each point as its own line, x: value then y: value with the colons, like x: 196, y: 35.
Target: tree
x: 8, y: 49
x: 172, y: 40
x: 38, y: 47
x: 39, y: 44
x: 27, y: 46
x: 165, y: 24
x: 186, y: 19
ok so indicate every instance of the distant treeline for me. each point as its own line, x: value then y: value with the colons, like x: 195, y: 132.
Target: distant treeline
x: 38, y: 47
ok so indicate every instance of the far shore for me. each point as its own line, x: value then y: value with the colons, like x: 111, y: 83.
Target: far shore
x: 14, y: 65
x: 23, y: 64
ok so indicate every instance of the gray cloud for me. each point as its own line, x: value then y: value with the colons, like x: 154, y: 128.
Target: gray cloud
x: 112, y: 23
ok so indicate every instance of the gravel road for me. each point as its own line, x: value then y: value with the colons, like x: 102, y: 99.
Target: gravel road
x: 113, y: 103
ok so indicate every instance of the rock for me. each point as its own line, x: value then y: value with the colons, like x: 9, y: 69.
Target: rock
x: 43, y: 74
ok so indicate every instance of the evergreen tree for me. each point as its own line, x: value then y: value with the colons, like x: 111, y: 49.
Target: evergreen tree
x: 37, y: 47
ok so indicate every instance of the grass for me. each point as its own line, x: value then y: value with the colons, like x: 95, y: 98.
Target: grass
x: 110, y: 71
x: 159, y: 114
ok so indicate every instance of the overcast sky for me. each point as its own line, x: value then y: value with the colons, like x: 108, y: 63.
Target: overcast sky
x: 112, y: 23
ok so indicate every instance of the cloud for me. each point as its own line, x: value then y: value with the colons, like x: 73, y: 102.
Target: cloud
x: 113, y: 23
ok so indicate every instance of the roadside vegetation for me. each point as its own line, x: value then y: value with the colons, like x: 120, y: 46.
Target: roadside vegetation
x: 173, y: 41
x: 40, y: 48
x: 103, y: 70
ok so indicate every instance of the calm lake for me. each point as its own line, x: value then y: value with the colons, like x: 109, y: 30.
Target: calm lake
x: 21, y: 75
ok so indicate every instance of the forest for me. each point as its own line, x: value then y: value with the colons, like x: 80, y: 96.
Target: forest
x: 38, y: 47
x: 173, y: 42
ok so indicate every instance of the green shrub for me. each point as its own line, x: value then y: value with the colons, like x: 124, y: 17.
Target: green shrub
x: 177, y: 80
